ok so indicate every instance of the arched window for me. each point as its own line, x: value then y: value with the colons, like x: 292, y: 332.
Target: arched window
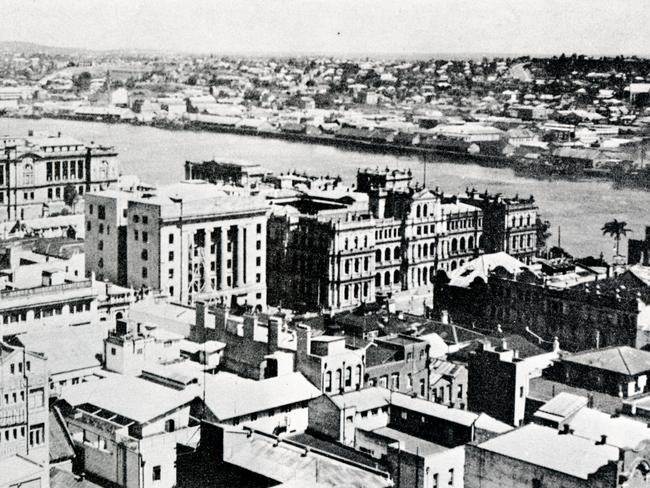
x: 470, y: 242
x: 345, y: 244
x: 417, y: 211
x: 338, y: 379
x: 356, y: 290
x: 462, y: 243
x: 419, y: 250
x: 346, y: 292
x: 453, y: 265
x: 425, y: 250
x: 28, y: 174
x: 366, y: 263
x: 348, y: 376
x: 328, y: 382
x: 378, y: 279
x: 347, y: 266
x: 432, y: 249
x: 387, y: 254
x: 425, y: 210
x: 424, y: 276
x: 419, y: 273
x: 103, y: 170
x: 396, y: 277
x: 359, y: 378
x: 365, y: 290
x: 454, y: 245
x: 396, y: 252
x: 521, y: 221
x: 356, y: 265
x: 356, y: 242
x: 387, y: 278
x: 432, y: 274
x: 378, y: 256
x: 528, y: 220
x: 481, y: 242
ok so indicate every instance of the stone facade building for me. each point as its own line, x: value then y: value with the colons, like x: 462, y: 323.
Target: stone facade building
x: 35, y: 171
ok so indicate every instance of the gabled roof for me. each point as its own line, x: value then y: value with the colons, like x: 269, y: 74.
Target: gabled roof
x: 560, y: 407
x: 229, y: 396
x: 624, y: 360
x: 363, y: 400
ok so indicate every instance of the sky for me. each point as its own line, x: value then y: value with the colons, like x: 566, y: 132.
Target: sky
x: 406, y: 27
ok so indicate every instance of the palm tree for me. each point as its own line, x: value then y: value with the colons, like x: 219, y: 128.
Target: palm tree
x: 615, y: 229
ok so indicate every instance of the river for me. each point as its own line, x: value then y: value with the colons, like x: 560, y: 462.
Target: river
x: 579, y: 207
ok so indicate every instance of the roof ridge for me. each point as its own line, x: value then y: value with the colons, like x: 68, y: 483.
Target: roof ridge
x: 627, y: 367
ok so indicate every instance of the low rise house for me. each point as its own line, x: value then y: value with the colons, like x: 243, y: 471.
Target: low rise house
x: 122, y: 439
x: 276, y: 405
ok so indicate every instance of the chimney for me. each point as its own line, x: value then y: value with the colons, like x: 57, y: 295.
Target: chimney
x: 121, y: 327
x: 201, y: 317
x: 274, y: 334
x: 565, y: 429
x: 556, y: 344
x: 30, y: 133
x: 504, y: 345
x: 303, y: 341
x: 249, y: 326
x: 602, y: 441
x: 444, y: 316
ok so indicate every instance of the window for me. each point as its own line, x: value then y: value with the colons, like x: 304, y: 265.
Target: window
x: 136, y: 219
x: 171, y: 238
x: 113, y: 351
x: 171, y: 256
x: 156, y: 473
x: 100, y: 245
x: 394, y: 381
x: 48, y: 171
x: 434, y: 481
x: 101, y: 228
x: 145, y: 219
x: 409, y: 381
x: 28, y: 174
x: 169, y: 425
x: 348, y: 376
x: 422, y: 387
x: 521, y: 392
x: 451, y: 477
x: 328, y: 382
x: 88, y: 225
x: 36, y: 435
x: 57, y: 192
x: 101, y: 212
x: 145, y: 255
x: 258, y: 245
x: 80, y: 168
x: 144, y: 273
x: 259, y: 228
x: 145, y: 236
x: 135, y: 235
x: 258, y: 261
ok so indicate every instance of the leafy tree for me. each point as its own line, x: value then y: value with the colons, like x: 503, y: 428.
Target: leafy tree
x: 82, y: 81
x: 616, y: 229
x: 542, y: 231
x: 70, y: 194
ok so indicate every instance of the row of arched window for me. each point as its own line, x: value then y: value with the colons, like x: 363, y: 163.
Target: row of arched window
x: 337, y: 381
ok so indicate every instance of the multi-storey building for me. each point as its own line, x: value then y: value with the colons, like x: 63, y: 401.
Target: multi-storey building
x: 509, y: 224
x: 321, y: 261
x: 58, y: 302
x: 35, y: 171
x: 187, y: 240
x: 23, y: 404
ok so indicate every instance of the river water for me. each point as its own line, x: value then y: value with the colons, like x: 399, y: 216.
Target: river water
x: 579, y: 207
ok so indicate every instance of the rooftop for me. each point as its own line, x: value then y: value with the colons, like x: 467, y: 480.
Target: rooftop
x: 123, y: 395
x: 482, y: 266
x: 547, y: 448
x: 409, y: 443
x: 291, y: 462
x: 229, y: 396
x: 364, y: 400
x: 68, y: 348
x: 16, y: 469
x: 623, y: 360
